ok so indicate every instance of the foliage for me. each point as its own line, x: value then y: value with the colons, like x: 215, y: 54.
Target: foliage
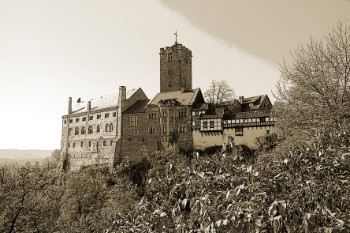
x: 313, y: 92
x: 219, y: 92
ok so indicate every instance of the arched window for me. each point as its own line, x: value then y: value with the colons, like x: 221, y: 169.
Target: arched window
x: 89, y: 143
x: 111, y: 127
x: 83, y: 131
x: 104, y: 143
x: 81, y: 144
x: 90, y: 130
x: 70, y: 131
x: 152, y: 129
x: 107, y: 127
x: 98, y: 129
x: 76, y: 131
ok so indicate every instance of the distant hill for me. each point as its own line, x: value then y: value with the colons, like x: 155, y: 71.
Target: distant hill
x: 20, y: 157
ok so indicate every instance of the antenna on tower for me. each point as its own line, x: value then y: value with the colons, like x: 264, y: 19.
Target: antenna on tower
x: 175, y: 37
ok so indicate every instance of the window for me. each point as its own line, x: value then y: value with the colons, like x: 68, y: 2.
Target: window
x: 98, y: 116
x: 164, y: 114
x: 170, y: 72
x: 76, y: 132
x: 111, y: 127
x: 76, y: 119
x: 91, y: 118
x: 73, y: 144
x: 106, y: 115
x: 152, y: 129
x: 98, y: 129
x: 164, y: 128
x: 84, y: 118
x: 267, y: 132
x: 239, y: 131
x: 68, y: 144
x: 89, y: 143
x: 104, y: 143
x: 111, y: 143
x: 211, y: 124
x: 81, y: 144
x: 107, y: 127
x: 205, y: 124
x: 70, y: 120
x: 182, y: 129
x: 182, y: 113
x: 133, y: 121
x: 114, y: 114
x: 70, y: 131
x: 90, y: 130
x: 152, y: 115
x: 65, y: 122
x: 262, y: 119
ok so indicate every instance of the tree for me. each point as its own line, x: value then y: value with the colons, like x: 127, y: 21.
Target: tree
x: 219, y: 92
x: 312, y: 98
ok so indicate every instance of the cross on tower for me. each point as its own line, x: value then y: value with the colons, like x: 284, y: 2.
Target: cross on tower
x: 175, y: 37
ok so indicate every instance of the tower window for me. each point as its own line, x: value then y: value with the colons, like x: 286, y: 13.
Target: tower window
x: 107, y: 128
x: 111, y: 127
x: 76, y: 131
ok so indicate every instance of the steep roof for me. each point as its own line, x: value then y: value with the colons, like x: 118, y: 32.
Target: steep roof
x: 79, y: 105
x: 184, y: 98
x: 138, y: 107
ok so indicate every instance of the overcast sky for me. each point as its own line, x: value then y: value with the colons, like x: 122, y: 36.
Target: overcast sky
x: 50, y: 50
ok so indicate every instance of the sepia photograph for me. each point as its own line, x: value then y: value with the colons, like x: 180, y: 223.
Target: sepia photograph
x: 184, y: 116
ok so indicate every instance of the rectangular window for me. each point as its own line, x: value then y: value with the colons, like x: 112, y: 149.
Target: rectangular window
x: 106, y: 115
x: 84, y: 118
x: 239, y: 131
x: 205, y: 124
x: 114, y: 114
x: 211, y: 124
x: 76, y: 119
x: 133, y: 121
x: 262, y: 119
x: 91, y: 118
x: 70, y: 120
x: 65, y: 121
x: 98, y: 116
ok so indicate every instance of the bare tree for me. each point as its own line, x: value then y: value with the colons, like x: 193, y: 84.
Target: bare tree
x: 218, y: 92
x: 313, y: 91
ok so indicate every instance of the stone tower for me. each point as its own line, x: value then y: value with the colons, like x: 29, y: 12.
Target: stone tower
x: 175, y: 68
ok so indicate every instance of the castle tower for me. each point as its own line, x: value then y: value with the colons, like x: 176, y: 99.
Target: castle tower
x: 175, y: 68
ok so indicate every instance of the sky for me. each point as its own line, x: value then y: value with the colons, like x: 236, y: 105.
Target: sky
x: 50, y: 50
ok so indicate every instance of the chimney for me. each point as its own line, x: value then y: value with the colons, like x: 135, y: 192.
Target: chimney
x: 241, y: 98
x: 88, y: 106
x: 69, y: 105
x: 122, y: 93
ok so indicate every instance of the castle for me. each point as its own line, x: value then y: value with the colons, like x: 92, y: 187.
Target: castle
x: 126, y: 126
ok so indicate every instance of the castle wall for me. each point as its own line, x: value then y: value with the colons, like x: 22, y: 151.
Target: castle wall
x: 201, y: 140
